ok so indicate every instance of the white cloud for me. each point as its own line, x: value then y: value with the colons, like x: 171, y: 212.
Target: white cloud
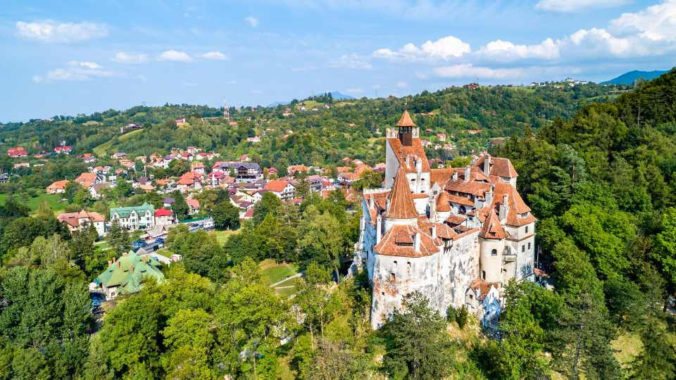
x: 123, y: 57
x: 445, y: 48
x: 175, y: 56
x: 402, y: 84
x: 656, y: 23
x: 252, y: 21
x: 567, y: 6
x: 216, y: 55
x: 75, y: 71
x: 467, y: 70
x: 504, y: 51
x: 352, y: 61
x: 52, y: 32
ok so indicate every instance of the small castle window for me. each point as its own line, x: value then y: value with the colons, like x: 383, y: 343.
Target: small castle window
x: 494, y: 252
x: 523, y: 248
x: 526, y: 229
x: 528, y: 245
x: 393, y: 277
x: 483, y: 275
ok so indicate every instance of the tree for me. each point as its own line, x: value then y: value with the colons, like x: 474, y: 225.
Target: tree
x: 664, y: 253
x: 321, y: 239
x: 416, y: 342
x: 226, y: 215
x: 657, y: 360
x: 201, y: 252
x: 269, y: 203
x: 118, y: 237
x: 179, y: 207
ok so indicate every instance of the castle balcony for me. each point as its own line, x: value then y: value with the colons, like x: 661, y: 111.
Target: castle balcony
x: 508, y: 257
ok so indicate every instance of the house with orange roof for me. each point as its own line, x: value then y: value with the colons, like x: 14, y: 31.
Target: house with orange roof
x: 81, y: 220
x: 86, y: 180
x: 456, y: 235
x: 58, y: 187
x: 281, y: 188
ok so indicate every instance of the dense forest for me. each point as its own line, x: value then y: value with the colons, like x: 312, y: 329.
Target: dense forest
x: 600, y: 180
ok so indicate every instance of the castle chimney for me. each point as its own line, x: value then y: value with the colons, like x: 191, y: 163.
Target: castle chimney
x: 416, y: 242
x: 418, y: 165
x: 434, y: 231
x: 455, y: 175
x: 408, y: 161
x: 467, y: 169
x: 371, y: 202
x: 489, y: 196
x: 433, y: 207
x: 504, y: 208
x: 487, y: 164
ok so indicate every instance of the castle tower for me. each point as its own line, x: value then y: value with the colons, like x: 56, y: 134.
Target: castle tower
x: 405, y: 127
x: 404, y: 150
x: 226, y: 111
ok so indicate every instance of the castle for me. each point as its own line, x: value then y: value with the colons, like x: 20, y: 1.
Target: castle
x: 456, y: 235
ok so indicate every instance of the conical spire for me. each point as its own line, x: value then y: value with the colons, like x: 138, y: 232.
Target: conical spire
x: 405, y: 120
x: 492, y: 229
x: 401, y: 202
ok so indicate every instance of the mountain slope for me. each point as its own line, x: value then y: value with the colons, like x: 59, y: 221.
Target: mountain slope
x: 631, y: 76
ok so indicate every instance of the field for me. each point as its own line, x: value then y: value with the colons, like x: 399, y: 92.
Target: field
x: 223, y: 236
x: 54, y: 201
x: 275, y: 273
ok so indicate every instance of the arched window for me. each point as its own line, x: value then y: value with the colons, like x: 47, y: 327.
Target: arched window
x: 494, y: 252
x: 463, y: 210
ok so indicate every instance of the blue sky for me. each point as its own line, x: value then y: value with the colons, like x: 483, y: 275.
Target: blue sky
x: 75, y: 56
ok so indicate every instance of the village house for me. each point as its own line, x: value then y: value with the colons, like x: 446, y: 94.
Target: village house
x: 197, y: 167
x: 135, y: 217
x: 86, y: 180
x: 164, y: 217
x: 98, y: 189
x: 18, y: 151
x: 126, y: 275
x: 63, y: 149
x: 58, y: 187
x: 193, y: 205
x: 81, y: 220
x: 293, y: 169
x: 245, y: 172
x: 281, y: 188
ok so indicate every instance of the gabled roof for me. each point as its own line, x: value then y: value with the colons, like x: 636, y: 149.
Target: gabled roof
x: 405, y: 120
x: 401, y: 202
x: 276, y: 186
x: 129, y: 271
x: 441, y: 176
x: 416, y: 151
x: 443, y: 202
x: 400, y: 241
x: 492, y: 229
x: 124, y: 212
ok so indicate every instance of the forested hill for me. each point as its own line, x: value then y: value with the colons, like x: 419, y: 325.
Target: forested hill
x: 602, y: 185
x: 319, y: 130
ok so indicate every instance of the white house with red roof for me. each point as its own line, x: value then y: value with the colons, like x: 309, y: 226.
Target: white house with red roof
x: 80, y: 221
x: 281, y: 188
x: 164, y: 217
x: 456, y: 235
x: 63, y: 149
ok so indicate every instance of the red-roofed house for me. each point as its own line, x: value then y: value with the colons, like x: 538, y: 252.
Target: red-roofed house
x: 164, y: 217
x: 18, y: 151
x: 194, y: 205
x: 63, y: 149
x: 78, y: 221
x: 281, y: 188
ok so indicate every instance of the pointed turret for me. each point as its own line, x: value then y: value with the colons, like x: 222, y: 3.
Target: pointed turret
x: 401, y: 204
x: 492, y: 229
x: 405, y: 120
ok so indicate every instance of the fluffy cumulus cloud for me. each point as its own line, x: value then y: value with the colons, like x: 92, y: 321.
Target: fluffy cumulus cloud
x: 215, y: 55
x: 352, y: 61
x: 467, y: 70
x: 252, y: 21
x: 500, y: 50
x: 75, y: 71
x: 576, y: 5
x: 656, y: 23
x: 130, y: 58
x: 53, y: 32
x: 174, y: 56
x: 445, y: 48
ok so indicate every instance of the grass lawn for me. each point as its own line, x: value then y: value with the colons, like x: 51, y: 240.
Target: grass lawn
x: 102, y: 149
x: 288, y: 288
x: 272, y: 272
x: 54, y: 201
x: 223, y: 236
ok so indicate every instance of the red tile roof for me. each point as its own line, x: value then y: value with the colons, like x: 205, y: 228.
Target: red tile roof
x: 163, y: 212
x: 276, y: 186
x: 405, y: 120
x: 492, y: 229
x: 400, y: 241
x: 401, y: 202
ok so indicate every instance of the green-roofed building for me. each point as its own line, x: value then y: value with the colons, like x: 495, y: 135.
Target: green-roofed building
x: 127, y: 274
x: 135, y: 217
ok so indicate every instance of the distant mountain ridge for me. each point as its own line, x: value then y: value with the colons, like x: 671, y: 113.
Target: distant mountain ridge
x: 631, y: 76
